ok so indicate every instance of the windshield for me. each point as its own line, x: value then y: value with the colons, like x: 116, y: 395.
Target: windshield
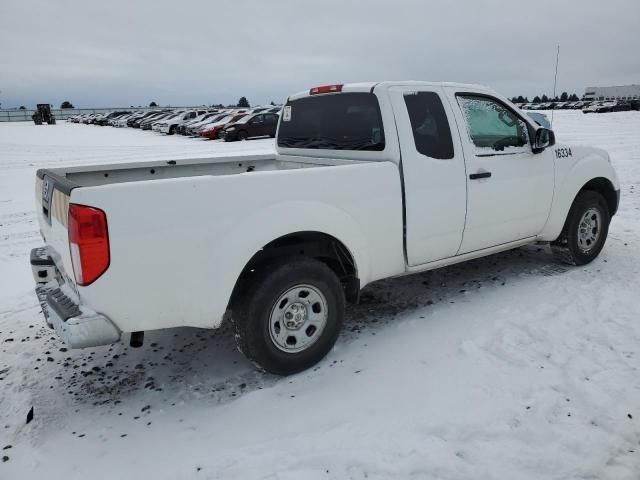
x: 217, y: 118
x: 245, y: 119
x: 222, y: 119
x: 342, y: 121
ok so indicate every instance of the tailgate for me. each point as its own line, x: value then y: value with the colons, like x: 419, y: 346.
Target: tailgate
x: 52, y: 207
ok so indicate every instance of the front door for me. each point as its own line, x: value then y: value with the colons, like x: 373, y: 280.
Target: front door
x: 509, y: 187
x: 258, y: 128
x: 433, y: 171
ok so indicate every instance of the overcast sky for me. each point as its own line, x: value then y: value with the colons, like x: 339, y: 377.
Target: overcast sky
x: 121, y: 53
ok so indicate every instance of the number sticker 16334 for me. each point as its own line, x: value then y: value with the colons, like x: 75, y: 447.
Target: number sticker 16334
x: 563, y: 152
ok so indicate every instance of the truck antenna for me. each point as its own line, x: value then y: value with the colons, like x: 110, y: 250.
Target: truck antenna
x: 555, y: 81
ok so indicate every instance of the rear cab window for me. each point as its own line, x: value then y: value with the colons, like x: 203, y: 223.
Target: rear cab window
x: 334, y: 121
x: 429, y: 125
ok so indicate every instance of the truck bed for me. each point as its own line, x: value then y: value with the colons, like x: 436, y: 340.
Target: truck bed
x: 177, y: 246
x: 66, y: 179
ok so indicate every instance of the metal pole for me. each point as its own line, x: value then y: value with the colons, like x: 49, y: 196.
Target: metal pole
x: 555, y: 81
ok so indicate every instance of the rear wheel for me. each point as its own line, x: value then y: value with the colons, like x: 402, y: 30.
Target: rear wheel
x: 290, y: 316
x: 585, y: 230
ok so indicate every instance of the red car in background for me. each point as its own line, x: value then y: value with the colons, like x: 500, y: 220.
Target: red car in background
x: 213, y: 131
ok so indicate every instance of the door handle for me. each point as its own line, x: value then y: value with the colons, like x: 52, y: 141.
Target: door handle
x: 476, y: 176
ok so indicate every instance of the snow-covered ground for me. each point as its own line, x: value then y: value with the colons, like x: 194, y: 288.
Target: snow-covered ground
x: 508, y: 367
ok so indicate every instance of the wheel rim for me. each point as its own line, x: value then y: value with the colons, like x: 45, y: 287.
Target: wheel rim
x: 298, y: 318
x: 589, y: 230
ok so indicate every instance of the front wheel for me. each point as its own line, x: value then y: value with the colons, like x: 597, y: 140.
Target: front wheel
x: 585, y: 230
x: 290, y: 316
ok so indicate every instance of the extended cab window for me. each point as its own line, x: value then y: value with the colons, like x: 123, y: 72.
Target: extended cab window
x: 429, y: 124
x: 492, y: 126
x: 336, y: 121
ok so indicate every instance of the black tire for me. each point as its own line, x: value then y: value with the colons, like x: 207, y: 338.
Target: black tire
x: 251, y: 314
x: 242, y: 135
x: 566, y: 248
x: 172, y: 129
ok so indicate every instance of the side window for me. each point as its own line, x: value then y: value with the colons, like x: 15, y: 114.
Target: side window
x: 258, y: 119
x: 429, y: 124
x: 492, y: 126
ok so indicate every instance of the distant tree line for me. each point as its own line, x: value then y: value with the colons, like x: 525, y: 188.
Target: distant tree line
x: 243, y: 103
x: 565, y: 97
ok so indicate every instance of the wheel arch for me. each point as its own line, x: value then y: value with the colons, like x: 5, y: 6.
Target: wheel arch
x: 605, y: 188
x: 592, y: 173
x: 321, y: 246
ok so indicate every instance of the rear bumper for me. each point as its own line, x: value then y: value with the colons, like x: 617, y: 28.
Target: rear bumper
x: 77, y: 325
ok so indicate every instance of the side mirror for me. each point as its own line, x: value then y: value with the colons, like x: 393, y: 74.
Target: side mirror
x: 544, y: 138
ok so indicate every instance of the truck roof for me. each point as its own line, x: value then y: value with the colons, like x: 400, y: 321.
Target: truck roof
x: 369, y: 86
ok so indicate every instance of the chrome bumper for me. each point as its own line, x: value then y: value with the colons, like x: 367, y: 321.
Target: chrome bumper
x: 77, y: 325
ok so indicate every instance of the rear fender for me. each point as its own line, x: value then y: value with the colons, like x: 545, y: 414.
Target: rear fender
x: 257, y: 230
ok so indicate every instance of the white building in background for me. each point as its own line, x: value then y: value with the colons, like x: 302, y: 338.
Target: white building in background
x: 622, y: 92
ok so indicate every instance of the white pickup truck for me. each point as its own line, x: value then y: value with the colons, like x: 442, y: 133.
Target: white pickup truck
x: 369, y: 181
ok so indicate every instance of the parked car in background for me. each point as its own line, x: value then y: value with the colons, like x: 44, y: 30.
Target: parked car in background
x: 157, y: 125
x: 591, y: 108
x: 193, y: 129
x: 111, y: 116
x: 621, y: 106
x: 182, y: 127
x: 212, y: 131
x: 600, y: 107
x: 148, y: 123
x: 634, y: 104
x: 86, y: 119
x: 170, y: 125
x: 137, y: 116
x: 249, y: 126
x: 121, y: 122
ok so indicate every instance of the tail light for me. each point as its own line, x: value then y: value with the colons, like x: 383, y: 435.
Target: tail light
x: 88, y: 242
x: 325, y: 89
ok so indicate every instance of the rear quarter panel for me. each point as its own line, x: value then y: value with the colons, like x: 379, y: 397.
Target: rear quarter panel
x: 178, y: 246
